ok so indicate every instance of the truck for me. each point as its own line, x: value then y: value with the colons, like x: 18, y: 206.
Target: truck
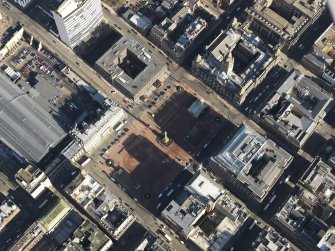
x: 169, y: 239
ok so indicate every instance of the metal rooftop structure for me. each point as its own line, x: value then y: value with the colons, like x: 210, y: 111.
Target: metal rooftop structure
x: 252, y: 160
x: 24, y: 125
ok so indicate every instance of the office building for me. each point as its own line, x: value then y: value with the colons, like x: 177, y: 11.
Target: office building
x: 177, y: 35
x: 75, y: 19
x: 130, y: 67
x: 33, y: 180
x: 282, y: 22
x: 220, y: 225
x: 87, y: 137
x: 298, y: 221
x: 8, y: 210
x: 233, y: 64
x: 269, y: 239
x: 34, y: 237
x: 24, y: 125
x: 11, y: 42
x: 250, y: 165
x: 327, y: 243
x: 62, y: 228
x: 320, y: 59
x: 224, y: 4
x: 205, y: 199
x: 140, y: 21
x: 39, y: 236
x: 100, y: 204
x: 88, y: 237
x: 320, y: 181
x: 309, y: 212
x: 296, y: 109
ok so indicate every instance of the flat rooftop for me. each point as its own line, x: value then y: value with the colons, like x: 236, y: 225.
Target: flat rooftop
x: 88, y: 236
x: 185, y: 212
x: 328, y: 240
x: 305, y: 95
x: 49, y: 5
x: 24, y: 125
x: 244, y: 53
x: 297, y: 107
x: 130, y: 64
x: 28, y: 174
x: 55, y: 215
x: 254, y: 160
x: 320, y: 180
x: 204, y: 187
x: 66, y: 227
x: 269, y: 239
x: 298, y: 217
x: 214, y: 230
x: 285, y: 19
x: 84, y: 189
x: 69, y: 6
x: 326, y: 41
x: 8, y: 210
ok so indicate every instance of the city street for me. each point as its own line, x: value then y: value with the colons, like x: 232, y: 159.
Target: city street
x: 264, y: 91
x: 149, y: 218
x: 74, y: 62
x: 150, y: 222
x: 30, y: 212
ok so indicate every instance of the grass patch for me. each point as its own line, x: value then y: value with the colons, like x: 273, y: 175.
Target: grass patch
x: 190, y: 102
x: 165, y: 112
x: 197, y: 135
x: 203, y: 113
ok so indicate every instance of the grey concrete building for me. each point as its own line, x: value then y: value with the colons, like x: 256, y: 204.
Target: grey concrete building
x: 269, y: 239
x: 320, y: 59
x: 328, y: 240
x: 308, y: 213
x: 130, y: 67
x: 176, y: 35
x: 296, y: 109
x: 206, y: 203
x: 296, y: 219
x: 283, y: 21
x: 234, y: 64
x: 75, y: 19
x: 24, y: 125
x: 250, y: 165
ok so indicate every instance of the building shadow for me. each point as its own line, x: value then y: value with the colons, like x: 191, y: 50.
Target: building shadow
x: 153, y: 171
x: 102, y: 38
x: 315, y: 144
x: 131, y: 239
x: 195, y: 132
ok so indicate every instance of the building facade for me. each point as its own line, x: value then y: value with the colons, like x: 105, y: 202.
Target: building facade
x: 33, y: 180
x: 87, y: 137
x: 178, y: 47
x: 282, y: 22
x: 130, y: 67
x: 320, y: 59
x: 296, y: 109
x: 250, y: 165
x: 75, y: 19
x: 234, y: 64
x: 204, y: 202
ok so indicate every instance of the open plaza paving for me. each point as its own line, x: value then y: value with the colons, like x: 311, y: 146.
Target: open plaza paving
x: 142, y: 165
